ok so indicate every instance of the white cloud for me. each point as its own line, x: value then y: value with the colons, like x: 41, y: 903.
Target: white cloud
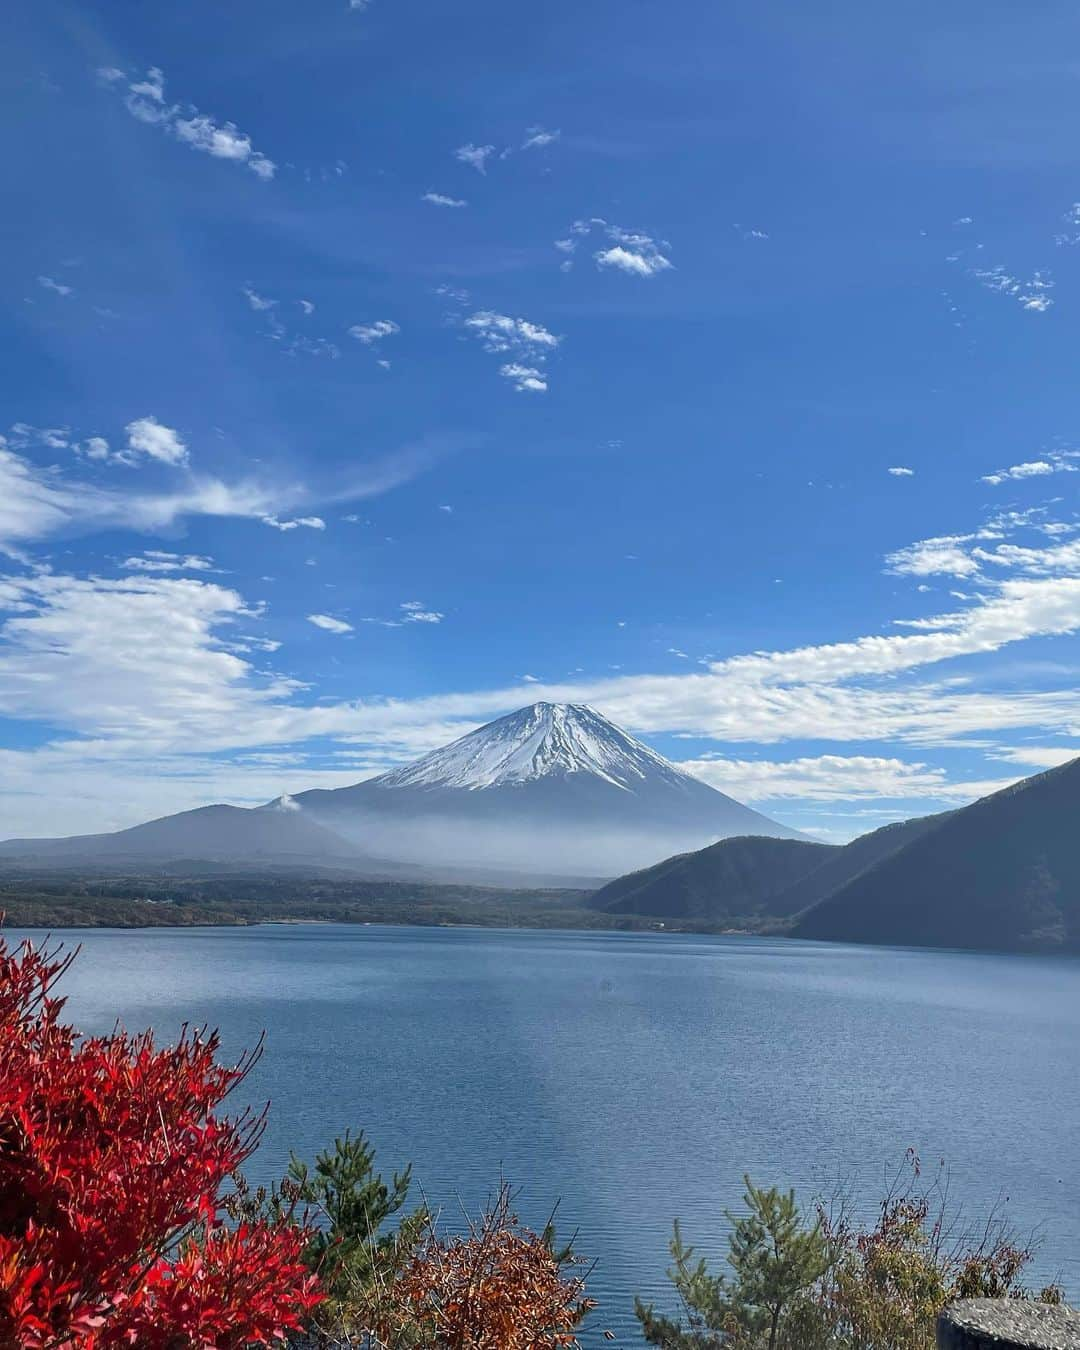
x: 371, y: 333
x: 300, y: 522
x: 532, y: 342
x: 306, y: 306
x: 900, y: 472
x: 475, y: 155
x: 828, y: 778
x: 145, y: 100
x: 329, y: 623
x: 258, y: 302
x: 51, y: 284
x: 41, y: 502
x: 146, y: 670
x: 125, y: 658
x: 501, y: 333
x: 51, y: 438
x: 536, y: 138
x: 1036, y: 756
x: 415, y: 611
x: 524, y: 378
x: 630, y: 251
x: 1073, y: 218
x: 311, y: 346
x: 147, y: 436
x: 942, y: 556
x: 625, y: 260
x: 441, y: 199
x: 1055, y: 461
x: 1030, y: 294
x: 154, y: 560
x: 1062, y: 559
x: 82, y: 654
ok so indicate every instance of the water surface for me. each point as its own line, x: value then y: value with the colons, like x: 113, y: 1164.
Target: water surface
x: 635, y: 1077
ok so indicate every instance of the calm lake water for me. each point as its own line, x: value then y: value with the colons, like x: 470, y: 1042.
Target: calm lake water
x: 634, y: 1076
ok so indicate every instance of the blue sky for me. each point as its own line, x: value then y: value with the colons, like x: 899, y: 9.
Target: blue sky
x: 372, y: 370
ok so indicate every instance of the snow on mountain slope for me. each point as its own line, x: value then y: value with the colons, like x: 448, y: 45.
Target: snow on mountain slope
x: 552, y: 790
x: 546, y: 739
x: 553, y: 786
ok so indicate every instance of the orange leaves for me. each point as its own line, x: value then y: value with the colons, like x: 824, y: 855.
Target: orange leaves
x: 500, y: 1287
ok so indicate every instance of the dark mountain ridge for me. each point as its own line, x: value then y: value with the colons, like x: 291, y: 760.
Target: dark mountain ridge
x: 751, y: 877
x: 735, y: 878
x: 1000, y: 874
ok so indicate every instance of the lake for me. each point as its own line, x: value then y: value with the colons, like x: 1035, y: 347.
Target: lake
x: 635, y: 1077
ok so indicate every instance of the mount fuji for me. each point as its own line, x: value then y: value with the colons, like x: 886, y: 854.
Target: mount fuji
x: 554, y: 788
x: 551, y: 794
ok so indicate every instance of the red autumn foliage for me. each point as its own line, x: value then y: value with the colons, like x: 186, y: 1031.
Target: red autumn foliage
x: 112, y: 1163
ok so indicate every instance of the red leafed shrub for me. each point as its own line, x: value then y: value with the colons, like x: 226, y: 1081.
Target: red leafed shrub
x: 112, y: 1163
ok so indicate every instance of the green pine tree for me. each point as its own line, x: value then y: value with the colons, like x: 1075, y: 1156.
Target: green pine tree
x: 775, y: 1257
x: 354, y: 1254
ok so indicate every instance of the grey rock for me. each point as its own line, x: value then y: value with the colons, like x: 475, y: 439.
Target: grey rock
x: 1007, y: 1324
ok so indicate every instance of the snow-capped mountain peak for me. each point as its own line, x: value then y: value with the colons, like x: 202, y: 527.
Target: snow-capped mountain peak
x: 545, y: 740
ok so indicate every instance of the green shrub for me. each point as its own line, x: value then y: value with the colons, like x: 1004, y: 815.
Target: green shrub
x: 830, y: 1283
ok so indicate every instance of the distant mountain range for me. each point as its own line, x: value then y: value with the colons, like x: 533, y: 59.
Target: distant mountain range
x: 553, y: 792
x: 1003, y: 873
x: 1000, y: 874
x: 555, y: 795
x: 750, y: 878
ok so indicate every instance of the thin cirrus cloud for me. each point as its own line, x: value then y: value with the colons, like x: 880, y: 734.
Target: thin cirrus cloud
x: 536, y: 138
x: 409, y: 611
x: 299, y: 522
x: 415, y: 611
x: 441, y: 199
x: 57, y: 287
x: 329, y: 624
x: 371, y: 334
x: 1030, y: 294
x: 526, y: 344
x: 901, y: 471
x: 291, y: 343
x: 260, y: 303
x: 145, y: 99
x: 834, y: 778
x: 156, y: 560
x: 39, y: 502
x: 476, y: 156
